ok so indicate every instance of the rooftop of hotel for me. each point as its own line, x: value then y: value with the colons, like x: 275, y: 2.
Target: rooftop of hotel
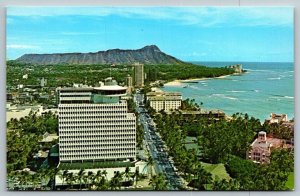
x: 110, y: 88
x: 158, y: 98
x: 108, y: 85
x: 269, y: 142
x: 161, y: 93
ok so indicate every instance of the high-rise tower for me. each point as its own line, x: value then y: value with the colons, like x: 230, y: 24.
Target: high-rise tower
x: 94, y: 124
x: 139, y: 75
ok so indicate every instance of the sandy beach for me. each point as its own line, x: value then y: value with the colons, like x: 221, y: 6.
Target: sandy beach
x: 174, y: 83
x: 181, y: 82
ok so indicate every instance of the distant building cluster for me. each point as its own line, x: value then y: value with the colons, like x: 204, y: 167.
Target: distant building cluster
x: 166, y: 101
x: 23, y: 94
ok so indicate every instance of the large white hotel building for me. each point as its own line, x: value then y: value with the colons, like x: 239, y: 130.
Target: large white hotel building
x: 94, y: 124
x: 166, y: 101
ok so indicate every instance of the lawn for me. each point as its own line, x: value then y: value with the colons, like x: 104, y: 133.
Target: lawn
x: 216, y: 170
x: 290, y: 182
x: 189, y: 139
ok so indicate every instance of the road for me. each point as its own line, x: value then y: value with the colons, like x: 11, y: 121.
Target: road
x: 156, y: 146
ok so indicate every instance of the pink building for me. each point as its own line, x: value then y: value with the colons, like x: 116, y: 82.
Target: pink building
x: 260, y: 149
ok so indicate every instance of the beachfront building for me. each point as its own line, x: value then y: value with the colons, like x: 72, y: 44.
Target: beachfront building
x: 237, y: 68
x: 166, y: 101
x: 139, y: 76
x: 260, y: 150
x: 94, y: 124
x: 285, y: 126
x: 277, y: 118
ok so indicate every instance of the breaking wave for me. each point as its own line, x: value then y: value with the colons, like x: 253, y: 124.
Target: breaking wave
x: 278, y: 78
x: 235, y: 91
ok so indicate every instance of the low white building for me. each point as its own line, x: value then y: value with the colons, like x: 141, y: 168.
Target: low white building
x: 166, y: 101
x: 141, y: 166
x: 20, y: 111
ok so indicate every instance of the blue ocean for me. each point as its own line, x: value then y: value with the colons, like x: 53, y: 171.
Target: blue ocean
x: 265, y: 88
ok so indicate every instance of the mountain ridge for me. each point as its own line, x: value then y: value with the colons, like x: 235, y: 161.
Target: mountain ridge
x: 150, y: 54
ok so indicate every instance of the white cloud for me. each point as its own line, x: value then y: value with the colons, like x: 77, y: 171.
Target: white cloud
x: 203, y: 16
x: 22, y: 46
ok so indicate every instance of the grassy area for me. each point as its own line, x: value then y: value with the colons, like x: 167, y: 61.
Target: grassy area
x: 91, y: 165
x: 290, y: 183
x: 193, y: 146
x: 216, y: 170
x: 189, y: 139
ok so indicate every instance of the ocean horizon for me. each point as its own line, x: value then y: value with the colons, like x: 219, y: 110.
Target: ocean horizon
x: 266, y: 87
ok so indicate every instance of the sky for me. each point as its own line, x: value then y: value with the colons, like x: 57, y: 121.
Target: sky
x: 253, y: 34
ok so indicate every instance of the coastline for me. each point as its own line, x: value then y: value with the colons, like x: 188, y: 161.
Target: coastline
x: 182, y: 82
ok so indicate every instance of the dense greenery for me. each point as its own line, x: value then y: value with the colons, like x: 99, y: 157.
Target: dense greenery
x: 172, y: 72
x: 279, y: 130
x: 40, y: 180
x: 23, y: 138
x: 66, y: 75
x: 222, y: 141
x: 139, y: 128
x: 222, y: 138
x: 190, y: 105
x: 158, y: 182
x: 251, y: 176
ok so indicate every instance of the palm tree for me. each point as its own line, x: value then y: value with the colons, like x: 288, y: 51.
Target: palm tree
x: 91, y: 178
x: 136, y: 175
x: 158, y: 182
x: 219, y: 185
x: 103, y: 185
x: 97, y: 177
x: 70, y: 179
x: 63, y: 176
x: 127, y: 170
x: 35, y: 179
x: 85, y: 180
x: 80, y: 175
x: 203, y: 177
x: 150, y: 164
x: 52, y: 173
x: 113, y: 183
x: 118, y: 177
x: 25, y: 178
x: 104, y: 172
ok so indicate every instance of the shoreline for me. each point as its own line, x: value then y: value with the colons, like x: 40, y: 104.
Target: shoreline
x: 182, y: 82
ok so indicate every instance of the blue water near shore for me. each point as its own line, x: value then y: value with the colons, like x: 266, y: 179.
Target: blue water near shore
x: 264, y: 88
